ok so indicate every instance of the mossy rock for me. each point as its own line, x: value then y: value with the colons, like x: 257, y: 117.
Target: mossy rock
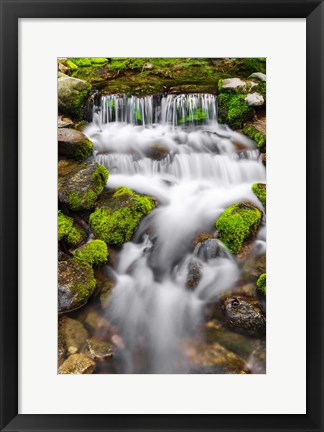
x: 234, y: 110
x: 72, y: 333
x: 237, y: 224
x: 72, y: 96
x: 99, y: 350
x: 253, y: 267
x: 95, y: 253
x: 260, y: 190
x: 79, y: 185
x: 261, y: 283
x: 76, y: 284
x: 257, y: 136
x: 69, y: 231
x: 118, y: 214
x: 73, y: 144
x: 77, y: 364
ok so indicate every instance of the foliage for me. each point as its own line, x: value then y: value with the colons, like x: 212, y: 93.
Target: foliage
x: 256, y: 136
x: 260, y: 190
x: 116, y: 223
x: 237, y: 223
x: 94, y: 253
x: 234, y: 110
x: 262, y: 282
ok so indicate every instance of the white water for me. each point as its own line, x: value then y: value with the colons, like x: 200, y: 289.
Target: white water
x: 199, y: 173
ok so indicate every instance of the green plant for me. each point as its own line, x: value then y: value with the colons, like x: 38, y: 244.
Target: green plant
x: 260, y: 190
x: 261, y: 283
x: 95, y: 253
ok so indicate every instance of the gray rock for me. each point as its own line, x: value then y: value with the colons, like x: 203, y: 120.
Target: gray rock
x: 72, y: 96
x: 73, y: 144
x: 254, y: 99
x: 259, y: 76
x: 233, y: 84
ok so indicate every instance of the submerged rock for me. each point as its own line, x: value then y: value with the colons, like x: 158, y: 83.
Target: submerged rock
x: 209, y: 248
x: 72, y: 334
x: 79, y: 185
x: 72, y: 96
x: 73, y: 144
x: 237, y: 224
x: 76, y: 284
x: 118, y: 214
x: 253, y: 267
x: 77, y: 364
x: 194, y: 273
x: 99, y: 350
x: 245, y: 316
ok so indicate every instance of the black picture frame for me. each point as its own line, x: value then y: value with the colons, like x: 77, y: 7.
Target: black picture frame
x: 11, y: 11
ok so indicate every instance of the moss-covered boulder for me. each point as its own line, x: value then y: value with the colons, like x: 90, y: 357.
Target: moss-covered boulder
x: 76, y: 284
x: 95, y: 253
x: 257, y: 135
x: 69, y: 231
x: 260, y: 190
x: 73, y: 144
x: 234, y: 110
x: 77, y: 364
x: 261, y: 283
x: 72, y: 96
x: 72, y: 334
x: 118, y: 214
x: 79, y: 185
x: 237, y: 224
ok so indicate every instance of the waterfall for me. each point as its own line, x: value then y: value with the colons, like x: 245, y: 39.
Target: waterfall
x: 172, y: 148
x: 175, y: 110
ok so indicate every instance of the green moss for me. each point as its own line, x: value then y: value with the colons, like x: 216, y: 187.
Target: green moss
x: 94, y: 253
x: 198, y: 114
x: 238, y: 223
x: 64, y: 225
x: 117, y: 223
x: 262, y: 282
x: 71, y: 65
x: 76, y: 236
x: 260, y: 190
x: 254, y: 64
x: 256, y: 136
x: 85, y: 289
x: 98, y: 60
x: 84, y: 151
x: 79, y: 102
x: 86, y: 199
x: 233, y: 110
x: 81, y: 61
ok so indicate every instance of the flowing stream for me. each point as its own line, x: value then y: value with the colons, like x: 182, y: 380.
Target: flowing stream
x: 172, y: 148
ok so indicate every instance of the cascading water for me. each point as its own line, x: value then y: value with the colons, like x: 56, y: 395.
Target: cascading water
x: 172, y: 148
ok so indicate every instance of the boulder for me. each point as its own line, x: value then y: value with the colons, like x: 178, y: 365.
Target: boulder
x: 69, y: 231
x: 77, y: 364
x: 118, y: 214
x: 260, y: 190
x: 79, y: 185
x: 259, y: 76
x: 95, y: 253
x: 63, y: 122
x: 234, y: 84
x: 73, y: 144
x: 254, y: 99
x: 99, y: 350
x: 237, y: 224
x: 72, y: 96
x: 76, y: 284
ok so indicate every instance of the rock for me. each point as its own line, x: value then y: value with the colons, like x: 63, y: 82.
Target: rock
x: 73, y: 144
x: 62, y: 68
x: 261, y: 283
x: 118, y: 214
x: 257, y: 360
x: 64, y: 122
x: 99, y: 350
x: 214, y: 358
x: 245, y: 316
x: 157, y: 152
x: 105, y: 293
x: 95, y: 253
x: 259, y: 76
x: 72, y: 96
x: 235, y: 84
x: 254, y: 99
x: 234, y: 110
x: 72, y: 334
x: 79, y: 185
x: 209, y: 249
x: 260, y: 190
x: 194, y: 273
x: 253, y: 267
x: 61, y: 351
x: 69, y: 231
x: 76, y: 284
x: 77, y: 364
x: 237, y: 224
x: 257, y: 133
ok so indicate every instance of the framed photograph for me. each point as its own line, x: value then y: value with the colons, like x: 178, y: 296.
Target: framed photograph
x: 161, y: 222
